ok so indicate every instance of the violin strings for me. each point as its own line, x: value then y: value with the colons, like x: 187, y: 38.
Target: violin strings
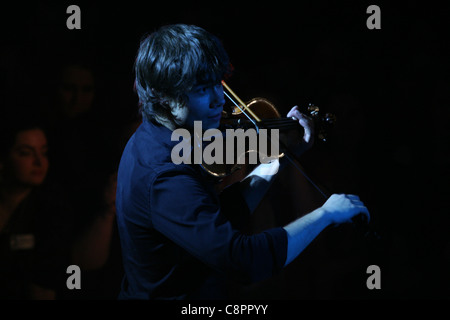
x: 234, y: 102
x: 281, y: 120
x: 282, y: 123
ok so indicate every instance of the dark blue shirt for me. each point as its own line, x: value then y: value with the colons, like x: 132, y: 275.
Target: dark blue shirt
x: 178, y: 240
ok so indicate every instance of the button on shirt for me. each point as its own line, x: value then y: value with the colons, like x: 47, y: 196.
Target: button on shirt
x: 178, y: 240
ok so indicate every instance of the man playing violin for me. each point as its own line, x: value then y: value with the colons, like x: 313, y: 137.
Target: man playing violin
x: 181, y: 240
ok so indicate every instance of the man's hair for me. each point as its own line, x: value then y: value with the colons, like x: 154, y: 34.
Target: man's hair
x: 170, y: 62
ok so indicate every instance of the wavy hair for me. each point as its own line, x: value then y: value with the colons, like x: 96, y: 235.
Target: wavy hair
x: 170, y: 62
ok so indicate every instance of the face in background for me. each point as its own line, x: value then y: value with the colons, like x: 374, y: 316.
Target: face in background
x: 205, y: 103
x: 27, y: 163
x: 76, y: 91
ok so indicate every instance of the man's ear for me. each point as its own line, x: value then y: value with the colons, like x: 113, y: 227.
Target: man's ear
x: 179, y: 112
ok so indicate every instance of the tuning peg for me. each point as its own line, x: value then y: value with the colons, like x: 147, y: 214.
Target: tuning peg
x: 313, y: 110
x: 330, y: 118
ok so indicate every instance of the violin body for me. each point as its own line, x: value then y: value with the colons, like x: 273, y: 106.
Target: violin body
x: 235, y: 119
x: 262, y: 107
x: 260, y: 113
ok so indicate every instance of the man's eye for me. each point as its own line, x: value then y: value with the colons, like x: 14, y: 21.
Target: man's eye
x: 202, y: 89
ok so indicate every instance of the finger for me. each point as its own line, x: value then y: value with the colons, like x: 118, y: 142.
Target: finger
x: 293, y: 109
x: 300, y: 116
x: 294, y: 113
x: 307, y: 124
x: 304, y: 120
x: 365, y: 212
x: 352, y: 197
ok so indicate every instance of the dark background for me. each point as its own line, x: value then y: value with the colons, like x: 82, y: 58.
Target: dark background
x: 388, y: 88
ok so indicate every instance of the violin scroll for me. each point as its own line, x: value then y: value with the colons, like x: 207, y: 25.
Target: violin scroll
x: 322, y: 123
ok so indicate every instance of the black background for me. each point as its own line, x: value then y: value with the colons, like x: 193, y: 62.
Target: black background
x: 388, y: 88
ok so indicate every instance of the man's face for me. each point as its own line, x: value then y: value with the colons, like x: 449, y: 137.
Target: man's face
x: 205, y: 103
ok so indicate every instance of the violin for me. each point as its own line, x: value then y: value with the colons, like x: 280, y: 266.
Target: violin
x: 260, y: 113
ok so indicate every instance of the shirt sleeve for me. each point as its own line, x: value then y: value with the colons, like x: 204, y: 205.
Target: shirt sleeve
x: 186, y: 211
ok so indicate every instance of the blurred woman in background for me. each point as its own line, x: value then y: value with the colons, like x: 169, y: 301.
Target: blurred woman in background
x: 35, y: 220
